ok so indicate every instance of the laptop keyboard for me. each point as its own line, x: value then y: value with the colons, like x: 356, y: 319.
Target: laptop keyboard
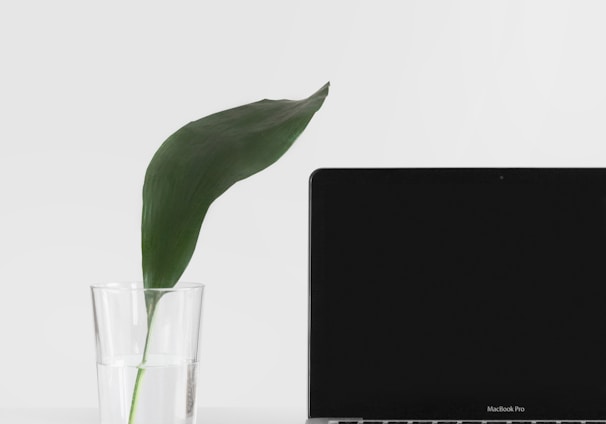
x: 461, y: 422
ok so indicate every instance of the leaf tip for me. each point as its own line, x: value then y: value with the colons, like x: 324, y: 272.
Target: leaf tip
x: 324, y: 90
x: 319, y: 96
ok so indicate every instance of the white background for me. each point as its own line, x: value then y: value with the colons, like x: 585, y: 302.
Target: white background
x: 89, y: 90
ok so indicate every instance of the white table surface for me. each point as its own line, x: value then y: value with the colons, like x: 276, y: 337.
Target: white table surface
x: 205, y: 416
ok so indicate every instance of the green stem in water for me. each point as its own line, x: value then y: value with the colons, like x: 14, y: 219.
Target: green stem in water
x: 151, y: 303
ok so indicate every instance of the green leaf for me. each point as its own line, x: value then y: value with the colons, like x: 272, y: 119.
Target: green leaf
x: 198, y: 163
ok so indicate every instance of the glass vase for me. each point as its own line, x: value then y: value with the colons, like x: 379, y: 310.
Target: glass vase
x: 147, y: 352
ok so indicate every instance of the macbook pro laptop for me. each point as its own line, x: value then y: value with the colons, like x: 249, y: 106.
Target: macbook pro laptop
x: 455, y: 295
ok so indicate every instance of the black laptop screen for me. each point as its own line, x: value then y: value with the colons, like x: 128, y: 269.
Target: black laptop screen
x: 458, y: 293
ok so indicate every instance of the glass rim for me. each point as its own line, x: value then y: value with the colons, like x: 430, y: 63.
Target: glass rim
x: 138, y: 286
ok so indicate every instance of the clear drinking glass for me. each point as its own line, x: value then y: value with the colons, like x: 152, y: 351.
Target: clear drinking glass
x: 147, y: 377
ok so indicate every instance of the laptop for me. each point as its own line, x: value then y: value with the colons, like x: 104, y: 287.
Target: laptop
x: 457, y: 295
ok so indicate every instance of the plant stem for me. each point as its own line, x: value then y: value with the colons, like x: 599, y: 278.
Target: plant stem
x: 151, y: 307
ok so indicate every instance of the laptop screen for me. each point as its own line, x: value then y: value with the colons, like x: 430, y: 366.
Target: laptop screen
x: 458, y: 293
